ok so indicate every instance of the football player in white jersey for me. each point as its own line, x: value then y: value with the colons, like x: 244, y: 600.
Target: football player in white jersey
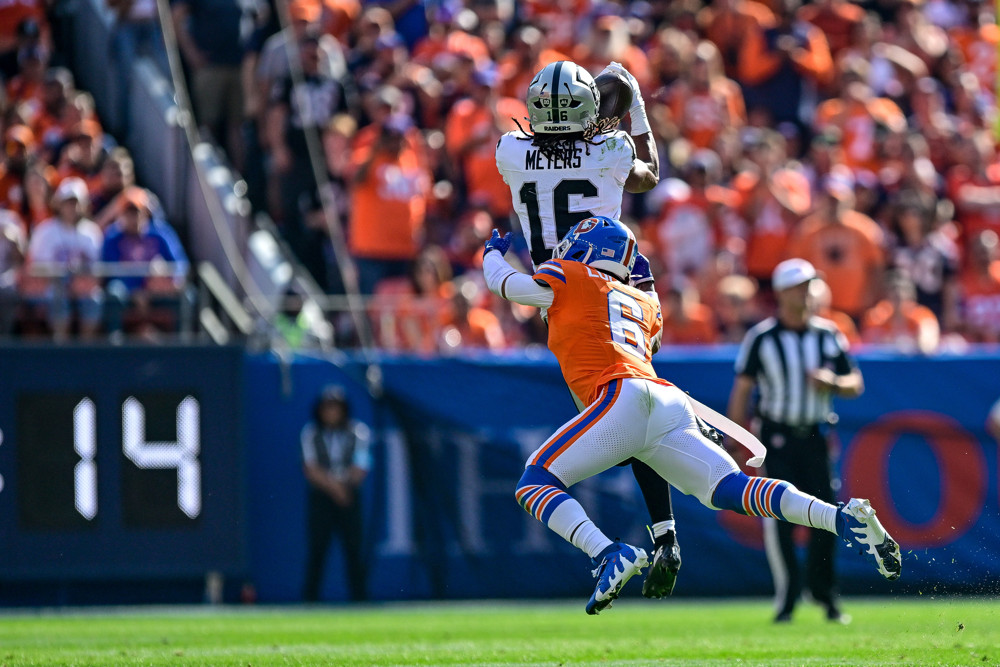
x: 570, y: 167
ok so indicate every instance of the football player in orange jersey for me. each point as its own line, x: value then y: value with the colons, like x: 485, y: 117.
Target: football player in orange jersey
x: 604, y: 332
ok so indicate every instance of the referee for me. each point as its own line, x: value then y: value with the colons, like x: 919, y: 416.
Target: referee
x: 798, y: 362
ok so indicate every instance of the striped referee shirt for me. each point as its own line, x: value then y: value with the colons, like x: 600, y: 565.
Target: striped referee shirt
x: 779, y: 360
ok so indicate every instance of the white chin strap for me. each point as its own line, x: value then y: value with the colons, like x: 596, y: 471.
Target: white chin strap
x: 733, y: 430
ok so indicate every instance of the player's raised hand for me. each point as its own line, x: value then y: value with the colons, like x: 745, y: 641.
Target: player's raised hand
x: 642, y: 276
x: 637, y: 112
x: 498, y: 243
x: 619, y: 69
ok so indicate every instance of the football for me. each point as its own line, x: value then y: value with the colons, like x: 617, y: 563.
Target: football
x: 616, y: 95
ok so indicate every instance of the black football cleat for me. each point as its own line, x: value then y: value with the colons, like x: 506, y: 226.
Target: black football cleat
x: 662, y: 573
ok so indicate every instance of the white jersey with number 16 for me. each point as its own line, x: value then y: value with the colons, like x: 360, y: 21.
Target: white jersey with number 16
x: 550, y: 196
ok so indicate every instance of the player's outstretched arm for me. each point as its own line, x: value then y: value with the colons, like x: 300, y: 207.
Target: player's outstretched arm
x: 645, y: 172
x: 506, y: 281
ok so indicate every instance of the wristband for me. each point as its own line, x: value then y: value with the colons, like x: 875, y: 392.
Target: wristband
x: 640, y: 123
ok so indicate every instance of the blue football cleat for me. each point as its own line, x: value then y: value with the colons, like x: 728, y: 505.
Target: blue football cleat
x: 619, y: 564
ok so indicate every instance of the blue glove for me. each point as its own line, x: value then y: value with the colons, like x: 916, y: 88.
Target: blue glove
x: 497, y: 242
x: 641, y: 273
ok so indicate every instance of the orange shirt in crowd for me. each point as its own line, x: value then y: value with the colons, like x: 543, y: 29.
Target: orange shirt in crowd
x: 388, y: 208
x: 471, y: 135
x: 338, y: 17
x: 857, y: 121
x: 963, y: 183
x: 701, y: 116
x: 980, y: 298
x: 771, y: 209
x: 757, y: 64
x: 880, y: 325
x: 836, y: 18
x: 697, y: 327
x: 979, y: 48
x: 849, y: 255
x: 479, y: 329
x: 634, y: 59
x: 844, y: 323
x: 728, y: 29
x: 12, y: 13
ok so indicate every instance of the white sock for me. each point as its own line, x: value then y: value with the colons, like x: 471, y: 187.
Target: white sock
x: 572, y: 522
x: 661, y: 528
x: 807, y: 510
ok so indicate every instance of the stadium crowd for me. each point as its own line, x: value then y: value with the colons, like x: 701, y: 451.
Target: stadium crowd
x: 859, y: 136
x: 83, y: 249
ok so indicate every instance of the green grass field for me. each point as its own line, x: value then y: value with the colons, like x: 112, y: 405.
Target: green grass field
x: 914, y: 631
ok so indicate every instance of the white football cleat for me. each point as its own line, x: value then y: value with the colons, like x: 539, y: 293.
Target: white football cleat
x: 862, y: 527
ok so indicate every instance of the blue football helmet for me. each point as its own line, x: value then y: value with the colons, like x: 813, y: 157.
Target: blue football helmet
x: 602, y: 243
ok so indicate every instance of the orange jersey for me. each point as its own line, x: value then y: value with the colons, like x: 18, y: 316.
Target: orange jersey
x: 599, y: 328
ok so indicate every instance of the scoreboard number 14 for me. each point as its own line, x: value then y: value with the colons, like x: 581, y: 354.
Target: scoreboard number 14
x: 43, y: 453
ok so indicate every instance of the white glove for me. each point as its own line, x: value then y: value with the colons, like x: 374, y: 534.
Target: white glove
x: 637, y: 111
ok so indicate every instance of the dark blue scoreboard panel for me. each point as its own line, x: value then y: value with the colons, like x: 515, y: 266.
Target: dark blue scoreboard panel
x: 121, y: 462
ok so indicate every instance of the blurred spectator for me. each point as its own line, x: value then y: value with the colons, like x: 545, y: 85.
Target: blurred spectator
x: 609, y: 40
x: 208, y: 36
x: 819, y: 292
x: 336, y: 458
x: 19, y: 144
x: 773, y: 199
x: 734, y: 308
x: 704, y: 102
x: 685, y: 321
x: 117, y: 174
x: 917, y: 35
x: 82, y: 154
x: 300, y: 110
x: 859, y: 115
x: 696, y: 216
x: 974, y: 185
x: 980, y: 289
x: 890, y: 67
x: 838, y: 19
x: 151, y: 299
x: 467, y: 325
x: 136, y: 33
x: 726, y: 23
x: 409, y: 312
x: 473, y: 127
x: 13, y: 243
x: 37, y: 195
x: 279, y: 51
x: 25, y: 89
x: 58, y: 91
x: 389, y: 195
x: 900, y: 321
x: 60, y: 252
x: 528, y: 53
x: 926, y: 257
x: 845, y: 246
x: 781, y: 67
x: 22, y: 26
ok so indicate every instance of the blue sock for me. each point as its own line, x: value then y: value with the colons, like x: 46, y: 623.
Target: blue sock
x: 544, y: 497
x: 753, y: 496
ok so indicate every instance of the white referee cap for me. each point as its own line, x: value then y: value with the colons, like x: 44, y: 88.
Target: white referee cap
x: 792, y: 272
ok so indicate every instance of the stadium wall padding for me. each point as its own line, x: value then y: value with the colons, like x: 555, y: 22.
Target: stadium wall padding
x: 453, y: 434
x: 451, y: 439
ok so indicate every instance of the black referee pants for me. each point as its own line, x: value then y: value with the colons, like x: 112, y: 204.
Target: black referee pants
x: 801, y: 456
x: 326, y: 519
